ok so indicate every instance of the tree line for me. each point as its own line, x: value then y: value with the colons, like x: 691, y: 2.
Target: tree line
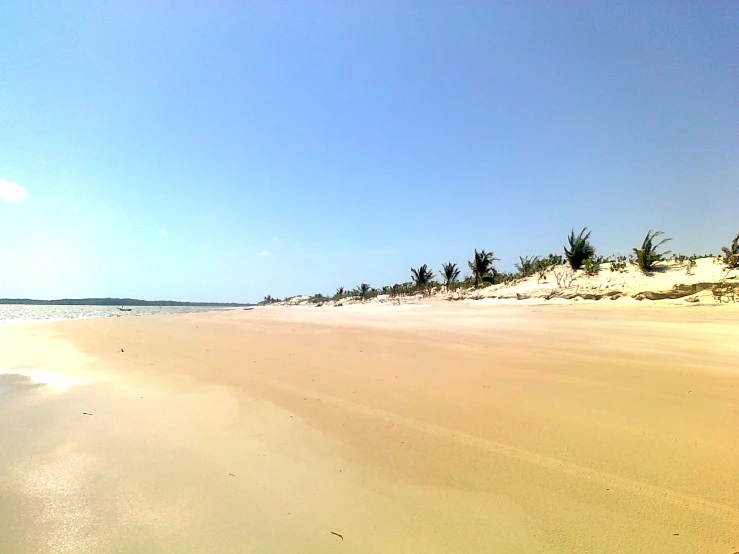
x: 579, y: 254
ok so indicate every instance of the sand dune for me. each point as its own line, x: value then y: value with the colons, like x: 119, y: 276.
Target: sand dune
x: 671, y: 282
x: 434, y: 427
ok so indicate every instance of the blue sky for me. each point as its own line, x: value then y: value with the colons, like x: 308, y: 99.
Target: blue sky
x: 216, y: 151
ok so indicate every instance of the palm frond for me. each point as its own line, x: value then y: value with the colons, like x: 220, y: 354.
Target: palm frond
x: 450, y: 273
x: 527, y: 265
x: 647, y: 256
x: 580, y: 248
x: 422, y: 276
x: 482, y: 267
x: 731, y: 253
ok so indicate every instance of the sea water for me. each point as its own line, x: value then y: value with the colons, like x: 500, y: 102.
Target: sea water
x: 19, y: 312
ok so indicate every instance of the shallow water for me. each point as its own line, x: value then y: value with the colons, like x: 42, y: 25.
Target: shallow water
x: 18, y: 312
x: 12, y: 381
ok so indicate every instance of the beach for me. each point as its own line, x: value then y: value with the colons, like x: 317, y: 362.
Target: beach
x: 430, y: 426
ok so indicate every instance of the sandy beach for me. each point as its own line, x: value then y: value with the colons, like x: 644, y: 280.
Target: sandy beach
x: 430, y: 427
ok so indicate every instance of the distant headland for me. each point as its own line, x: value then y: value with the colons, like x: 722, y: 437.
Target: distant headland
x: 116, y: 302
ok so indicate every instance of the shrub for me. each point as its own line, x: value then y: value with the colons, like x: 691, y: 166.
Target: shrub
x: 553, y: 259
x: 543, y: 265
x: 364, y: 291
x: 591, y: 266
x: 731, y: 253
x: 507, y: 278
x: 564, y: 277
x: 647, y: 256
x: 679, y: 259
x: 527, y: 266
x: 690, y: 265
x: 725, y: 292
x: 619, y: 264
x: 580, y: 248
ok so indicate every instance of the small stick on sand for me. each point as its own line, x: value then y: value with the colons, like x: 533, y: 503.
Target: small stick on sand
x: 340, y: 536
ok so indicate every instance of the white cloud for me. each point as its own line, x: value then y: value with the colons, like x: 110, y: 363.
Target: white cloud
x: 163, y: 233
x: 12, y: 192
x: 275, y: 239
x: 77, y: 209
x: 264, y: 253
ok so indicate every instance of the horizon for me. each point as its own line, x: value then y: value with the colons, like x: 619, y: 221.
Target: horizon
x: 123, y: 301
x: 225, y: 153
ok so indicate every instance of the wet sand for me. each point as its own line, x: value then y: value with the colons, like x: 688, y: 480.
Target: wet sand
x: 440, y: 428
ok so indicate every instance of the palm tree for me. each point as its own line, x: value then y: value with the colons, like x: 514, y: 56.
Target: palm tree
x: 450, y: 273
x: 580, y: 248
x: 731, y: 253
x: 482, y: 267
x: 527, y: 266
x: 422, y: 276
x: 341, y: 291
x: 647, y: 256
x: 364, y: 289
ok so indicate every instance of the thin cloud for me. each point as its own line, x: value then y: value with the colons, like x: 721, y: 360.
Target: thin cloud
x: 264, y: 253
x: 163, y: 233
x: 12, y: 192
x: 77, y: 209
x: 275, y: 239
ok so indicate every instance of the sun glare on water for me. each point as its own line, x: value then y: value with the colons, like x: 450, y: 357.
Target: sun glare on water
x: 54, y: 381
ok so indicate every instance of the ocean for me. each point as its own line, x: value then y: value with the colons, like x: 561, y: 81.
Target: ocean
x: 17, y: 313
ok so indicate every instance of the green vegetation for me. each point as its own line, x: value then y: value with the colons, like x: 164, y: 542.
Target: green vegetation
x: 528, y: 266
x: 507, y: 278
x: 591, y: 266
x: 450, y: 273
x: 619, y: 264
x: 363, y: 291
x: 580, y: 248
x: 731, y: 253
x: 553, y: 259
x: 422, y: 276
x: 647, y: 256
x: 318, y: 299
x: 543, y: 265
x: 725, y: 292
x: 482, y: 268
x: 579, y: 255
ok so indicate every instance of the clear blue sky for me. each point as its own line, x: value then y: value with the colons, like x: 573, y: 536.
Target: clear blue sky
x: 216, y: 151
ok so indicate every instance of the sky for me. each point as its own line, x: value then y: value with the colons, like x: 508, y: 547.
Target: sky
x: 215, y: 151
